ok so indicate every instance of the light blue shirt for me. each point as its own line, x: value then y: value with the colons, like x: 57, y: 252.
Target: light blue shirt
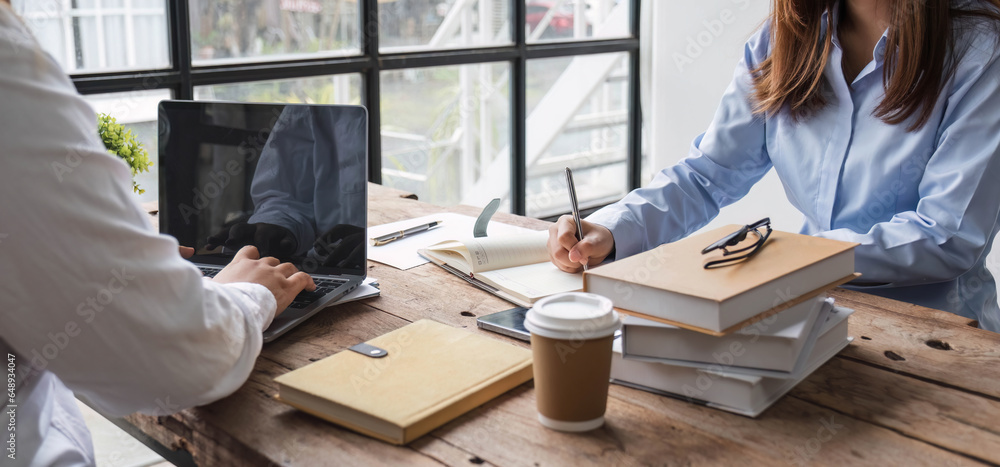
x: 922, y: 205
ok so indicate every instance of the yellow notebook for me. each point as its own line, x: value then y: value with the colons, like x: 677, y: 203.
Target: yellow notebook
x: 432, y: 374
x: 670, y: 284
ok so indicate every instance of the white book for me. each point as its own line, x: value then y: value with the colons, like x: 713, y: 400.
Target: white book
x: 724, y: 390
x: 777, y: 346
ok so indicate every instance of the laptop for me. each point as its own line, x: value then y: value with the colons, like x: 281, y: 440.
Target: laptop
x: 288, y: 179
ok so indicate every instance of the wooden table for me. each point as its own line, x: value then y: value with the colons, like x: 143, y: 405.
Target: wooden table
x: 917, y: 386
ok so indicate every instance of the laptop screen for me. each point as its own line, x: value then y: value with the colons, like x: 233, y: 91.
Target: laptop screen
x: 289, y: 179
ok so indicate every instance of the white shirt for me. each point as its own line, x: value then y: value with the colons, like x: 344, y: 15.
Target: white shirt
x: 89, y: 292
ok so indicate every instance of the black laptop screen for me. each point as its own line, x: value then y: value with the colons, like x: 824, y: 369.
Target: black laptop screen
x: 289, y: 179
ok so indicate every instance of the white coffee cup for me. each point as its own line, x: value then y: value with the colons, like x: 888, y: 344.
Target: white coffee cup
x: 571, y: 337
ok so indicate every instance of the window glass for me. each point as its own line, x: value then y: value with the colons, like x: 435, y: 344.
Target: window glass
x: 234, y: 30
x: 334, y: 89
x: 407, y: 25
x: 91, y: 36
x: 567, y: 20
x: 446, y: 133
x: 577, y: 118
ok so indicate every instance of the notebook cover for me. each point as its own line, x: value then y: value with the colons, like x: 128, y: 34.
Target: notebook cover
x: 433, y: 373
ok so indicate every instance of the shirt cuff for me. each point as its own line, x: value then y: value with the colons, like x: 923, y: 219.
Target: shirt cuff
x: 255, y: 298
x: 626, y: 231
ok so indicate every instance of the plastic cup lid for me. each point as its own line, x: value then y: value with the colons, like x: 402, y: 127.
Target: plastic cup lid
x: 574, y: 315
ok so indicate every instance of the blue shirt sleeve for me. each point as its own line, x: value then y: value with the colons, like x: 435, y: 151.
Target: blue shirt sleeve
x: 721, y: 167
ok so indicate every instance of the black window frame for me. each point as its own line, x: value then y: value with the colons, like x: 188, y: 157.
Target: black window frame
x: 182, y: 77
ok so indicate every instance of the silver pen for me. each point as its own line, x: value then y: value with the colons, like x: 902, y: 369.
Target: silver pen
x: 382, y: 240
x: 576, y: 208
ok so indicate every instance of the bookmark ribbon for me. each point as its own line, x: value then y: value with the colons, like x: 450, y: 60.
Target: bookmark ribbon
x: 483, y: 220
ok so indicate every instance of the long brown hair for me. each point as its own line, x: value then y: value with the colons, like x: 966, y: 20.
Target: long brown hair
x: 922, y: 31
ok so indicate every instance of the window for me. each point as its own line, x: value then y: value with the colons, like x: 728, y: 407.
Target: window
x: 468, y: 100
x: 228, y: 31
x: 443, y: 128
x: 87, y: 36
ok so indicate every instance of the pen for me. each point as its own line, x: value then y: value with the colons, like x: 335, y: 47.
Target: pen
x: 575, y: 206
x: 382, y: 240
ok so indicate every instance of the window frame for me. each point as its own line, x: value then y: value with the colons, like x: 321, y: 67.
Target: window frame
x: 182, y: 77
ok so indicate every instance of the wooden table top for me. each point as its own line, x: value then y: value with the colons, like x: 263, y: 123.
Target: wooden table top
x: 917, y: 386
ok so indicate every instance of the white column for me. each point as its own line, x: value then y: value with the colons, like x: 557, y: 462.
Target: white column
x: 580, y: 19
x: 466, y: 101
x: 485, y: 88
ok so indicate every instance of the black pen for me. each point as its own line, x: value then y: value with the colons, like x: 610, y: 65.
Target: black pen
x: 379, y: 241
x: 575, y: 206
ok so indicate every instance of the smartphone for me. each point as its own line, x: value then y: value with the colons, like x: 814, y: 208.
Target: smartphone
x: 508, y: 322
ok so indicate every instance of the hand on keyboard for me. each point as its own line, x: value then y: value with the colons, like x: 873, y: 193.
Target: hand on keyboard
x: 284, y: 280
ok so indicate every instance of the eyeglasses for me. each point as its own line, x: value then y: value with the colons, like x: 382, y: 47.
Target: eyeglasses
x: 734, y: 239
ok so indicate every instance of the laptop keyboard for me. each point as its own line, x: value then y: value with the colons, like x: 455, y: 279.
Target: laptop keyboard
x: 209, y: 271
x: 303, y: 299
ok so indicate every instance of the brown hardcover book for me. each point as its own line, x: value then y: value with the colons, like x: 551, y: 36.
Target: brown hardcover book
x: 670, y: 284
x: 432, y: 374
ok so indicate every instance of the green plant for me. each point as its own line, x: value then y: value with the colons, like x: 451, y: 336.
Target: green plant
x: 121, y: 142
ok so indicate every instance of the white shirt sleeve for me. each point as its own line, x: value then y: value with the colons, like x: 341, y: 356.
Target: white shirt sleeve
x: 88, y: 290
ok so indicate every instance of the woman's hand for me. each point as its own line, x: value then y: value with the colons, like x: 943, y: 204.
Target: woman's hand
x: 569, y: 254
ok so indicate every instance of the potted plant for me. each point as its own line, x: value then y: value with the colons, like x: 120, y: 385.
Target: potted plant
x: 122, y: 143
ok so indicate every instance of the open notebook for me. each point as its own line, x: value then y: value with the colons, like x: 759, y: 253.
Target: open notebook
x: 513, y: 267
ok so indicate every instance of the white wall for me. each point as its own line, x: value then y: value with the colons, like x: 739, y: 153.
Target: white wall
x: 695, y: 49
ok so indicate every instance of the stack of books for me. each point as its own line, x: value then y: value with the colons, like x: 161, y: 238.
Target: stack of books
x: 735, y: 338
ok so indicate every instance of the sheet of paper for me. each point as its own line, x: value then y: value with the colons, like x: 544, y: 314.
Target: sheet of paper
x: 402, y: 253
x: 536, y: 280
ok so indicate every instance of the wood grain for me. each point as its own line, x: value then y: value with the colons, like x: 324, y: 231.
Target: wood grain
x: 914, y: 346
x: 945, y: 417
x: 851, y: 297
x: 934, y: 407
x: 792, y: 432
